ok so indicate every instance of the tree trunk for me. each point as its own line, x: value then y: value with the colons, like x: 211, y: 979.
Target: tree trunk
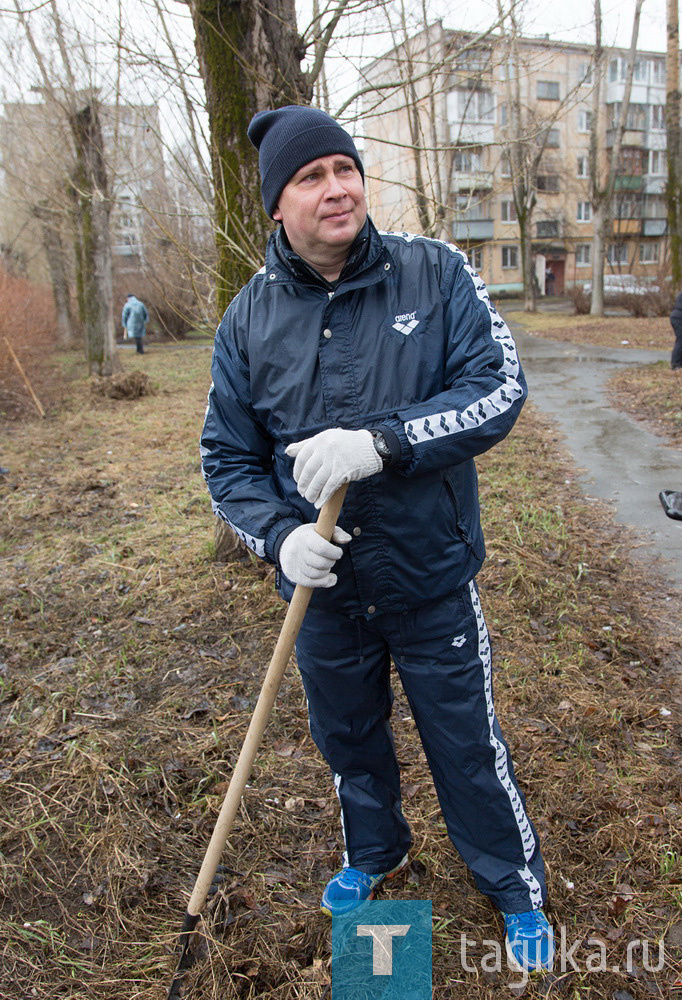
x: 250, y: 60
x: 94, y: 260
x: 228, y: 547
x: 527, y: 264
x: 602, y: 194
x: 599, y: 222
x: 600, y: 219
x: 674, y: 150
x: 56, y: 259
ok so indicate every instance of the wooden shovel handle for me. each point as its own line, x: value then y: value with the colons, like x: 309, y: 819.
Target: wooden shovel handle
x: 273, y: 678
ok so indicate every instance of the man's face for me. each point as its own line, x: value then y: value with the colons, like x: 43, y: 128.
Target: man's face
x: 323, y: 206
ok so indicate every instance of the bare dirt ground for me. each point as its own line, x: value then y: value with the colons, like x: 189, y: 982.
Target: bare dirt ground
x: 130, y: 662
x: 652, y: 393
x: 602, y: 331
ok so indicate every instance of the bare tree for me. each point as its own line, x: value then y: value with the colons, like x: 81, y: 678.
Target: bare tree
x: 603, y: 181
x: 51, y: 224
x: 93, y: 209
x: 526, y: 139
x: 674, y: 140
x: 88, y: 184
x: 250, y: 59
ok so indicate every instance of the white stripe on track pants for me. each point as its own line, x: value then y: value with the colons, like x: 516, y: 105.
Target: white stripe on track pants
x: 442, y: 654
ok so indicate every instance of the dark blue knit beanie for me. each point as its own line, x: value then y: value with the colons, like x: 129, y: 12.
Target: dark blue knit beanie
x: 290, y: 137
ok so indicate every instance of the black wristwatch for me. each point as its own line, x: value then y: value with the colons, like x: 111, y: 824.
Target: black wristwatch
x: 380, y: 446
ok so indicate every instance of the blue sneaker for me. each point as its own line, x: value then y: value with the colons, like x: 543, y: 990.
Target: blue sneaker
x: 350, y: 887
x: 529, y: 941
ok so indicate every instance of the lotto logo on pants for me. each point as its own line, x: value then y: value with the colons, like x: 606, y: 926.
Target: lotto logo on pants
x: 382, y: 951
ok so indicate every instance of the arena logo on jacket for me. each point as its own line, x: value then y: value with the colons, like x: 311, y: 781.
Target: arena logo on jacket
x: 405, y: 323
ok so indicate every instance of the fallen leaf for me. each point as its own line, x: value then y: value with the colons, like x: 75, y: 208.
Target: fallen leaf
x: 617, y: 906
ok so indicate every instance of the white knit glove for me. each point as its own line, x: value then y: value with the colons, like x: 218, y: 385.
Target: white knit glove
x: 329, y: 459
x: 307, y: 558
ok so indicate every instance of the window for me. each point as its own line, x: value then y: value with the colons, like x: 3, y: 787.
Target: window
x: 640, y: 72
x: 472, y: 60
x: 547, y: 90
x: 584, y: 213
x: 636, y: 119
x: 510, y: 257
x: 616, y: 70
x: 637, y: 116
x: 657, y: 163
x: 657, y: 116
x: 584, y: 121
x: 472, y: 205
x: 503, y: 114
x: 632, y: 161
x: 548, y: 227
x: 549, y: 183
x: 655, y: 208
x: 507, y: 70
x: 507, y: 210
x: 628, y: 206
x: 550, y: 137
x: 475, y: 255
x: 617, y: 253
x: 648, y: 253
x: 583, y: 253
x: 505, y: 166
x: 658, y: 70
x: 583, y: 167
x: 467, y: 160
x: 474, y: 105
x: 585, y: 73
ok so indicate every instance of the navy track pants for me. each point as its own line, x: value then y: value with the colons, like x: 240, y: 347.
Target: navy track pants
x: 442, y: 654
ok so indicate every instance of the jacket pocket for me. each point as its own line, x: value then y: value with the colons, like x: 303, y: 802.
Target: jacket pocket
x: 464, y: 529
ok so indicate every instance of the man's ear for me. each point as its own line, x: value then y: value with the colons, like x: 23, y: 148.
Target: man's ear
x: 277, y: 215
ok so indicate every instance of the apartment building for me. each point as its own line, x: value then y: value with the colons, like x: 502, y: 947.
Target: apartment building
x: 37, y: 158
x: 437, y: 152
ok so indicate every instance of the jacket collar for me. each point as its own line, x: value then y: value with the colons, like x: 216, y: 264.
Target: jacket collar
x: 366, y: 253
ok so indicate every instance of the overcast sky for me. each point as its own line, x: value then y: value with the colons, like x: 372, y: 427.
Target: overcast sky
x: 573, y: 21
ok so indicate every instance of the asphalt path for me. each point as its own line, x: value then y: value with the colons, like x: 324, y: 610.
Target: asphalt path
x: 618, y: 459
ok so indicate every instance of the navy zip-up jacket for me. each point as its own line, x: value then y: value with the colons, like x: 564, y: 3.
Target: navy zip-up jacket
x: 406, y: 342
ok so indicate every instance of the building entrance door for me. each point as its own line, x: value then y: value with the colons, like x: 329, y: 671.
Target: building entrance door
x: 554, y: 277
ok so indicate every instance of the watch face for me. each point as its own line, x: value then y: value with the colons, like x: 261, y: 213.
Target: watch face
x: 380, y: 445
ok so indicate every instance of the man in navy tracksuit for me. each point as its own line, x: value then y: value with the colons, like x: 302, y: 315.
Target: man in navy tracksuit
x: 377, y: 360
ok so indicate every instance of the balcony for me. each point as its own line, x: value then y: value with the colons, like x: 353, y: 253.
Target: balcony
x: 464, y: 230
x: 654, y: 185
x: 654, y: 227
x: 125, y: 250
x: 464, y: 132
x: 629, y: 182
x: 626, y: 227
x: 476, y: 180
x: 548, y: 229
x: 631, y: 137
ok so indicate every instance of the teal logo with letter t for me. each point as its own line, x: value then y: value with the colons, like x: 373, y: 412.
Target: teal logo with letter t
x: 382, y: 951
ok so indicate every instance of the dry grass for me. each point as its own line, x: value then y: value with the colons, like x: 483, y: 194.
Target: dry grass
x: 652, y: 393
x: 130, y: 663
x: 602, y: 331
x: 27, y: 321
